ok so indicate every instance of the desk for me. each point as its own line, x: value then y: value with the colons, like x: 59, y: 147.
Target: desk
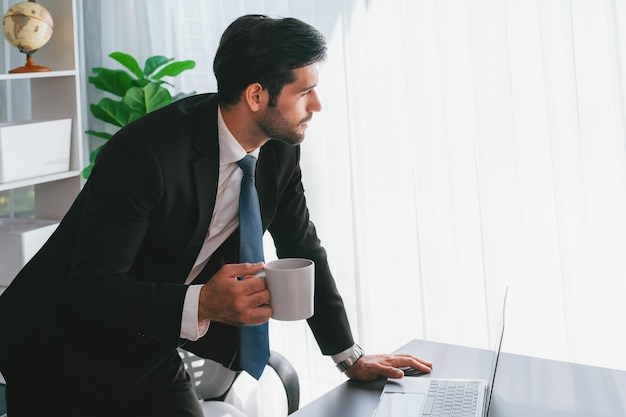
x: 524, y: 386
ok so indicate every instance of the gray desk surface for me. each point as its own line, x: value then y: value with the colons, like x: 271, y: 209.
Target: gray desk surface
x: 524, y: 386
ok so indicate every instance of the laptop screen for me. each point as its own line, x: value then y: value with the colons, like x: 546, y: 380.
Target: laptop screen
x: 494, y: 364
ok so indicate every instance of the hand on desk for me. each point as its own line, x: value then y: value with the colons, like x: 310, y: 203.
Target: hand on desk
x: 370, y: 367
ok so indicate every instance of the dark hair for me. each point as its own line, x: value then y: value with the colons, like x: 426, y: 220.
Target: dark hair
x: 257, y: 48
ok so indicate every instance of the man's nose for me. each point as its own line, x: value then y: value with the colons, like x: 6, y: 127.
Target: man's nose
x: 315, y: 104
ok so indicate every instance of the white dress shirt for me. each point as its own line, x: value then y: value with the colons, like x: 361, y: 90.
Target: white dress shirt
x: 224, y: 222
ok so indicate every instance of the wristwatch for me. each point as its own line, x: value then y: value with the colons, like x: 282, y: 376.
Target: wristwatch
x: 347, y: 363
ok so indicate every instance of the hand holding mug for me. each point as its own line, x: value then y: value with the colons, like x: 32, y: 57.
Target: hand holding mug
x: 236, y: 302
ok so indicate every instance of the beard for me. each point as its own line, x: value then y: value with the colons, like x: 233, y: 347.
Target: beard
x: 274, y: 125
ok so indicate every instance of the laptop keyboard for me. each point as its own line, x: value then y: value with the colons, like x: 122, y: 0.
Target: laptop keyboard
x: 451, y: 398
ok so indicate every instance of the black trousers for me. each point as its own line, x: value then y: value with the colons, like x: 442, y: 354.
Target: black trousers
x: 164, y: 390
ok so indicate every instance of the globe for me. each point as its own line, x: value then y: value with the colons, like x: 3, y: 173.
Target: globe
x: 28, y: 26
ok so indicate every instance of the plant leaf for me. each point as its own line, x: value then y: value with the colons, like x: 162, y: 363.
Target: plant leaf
x: 155, y: 62
x: 101, y: 135
x: 116, y: 82
x: 146, y: 99
x: 140, y: 83
x: 161, y: 82
x: 94, y: 154
x: 175, y: 68
x: 129, y: 62
x: 115, y: 112
x: 87, y: 171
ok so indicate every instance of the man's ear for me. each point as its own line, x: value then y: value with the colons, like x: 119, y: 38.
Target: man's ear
x: 256, y: 96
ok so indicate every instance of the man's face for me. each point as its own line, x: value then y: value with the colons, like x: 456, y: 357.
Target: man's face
x: 287, y: 121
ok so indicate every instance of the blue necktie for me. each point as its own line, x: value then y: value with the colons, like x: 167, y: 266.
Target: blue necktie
x: 253, y: 341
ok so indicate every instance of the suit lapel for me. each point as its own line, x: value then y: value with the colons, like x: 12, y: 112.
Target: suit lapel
x: 206, y: 172
x: 205, y: 178
x: 206, y: 168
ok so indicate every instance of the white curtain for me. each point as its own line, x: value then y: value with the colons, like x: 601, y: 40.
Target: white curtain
x: 463, y: 146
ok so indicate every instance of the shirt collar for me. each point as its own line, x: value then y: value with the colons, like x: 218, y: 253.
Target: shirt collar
x: 230, y: 150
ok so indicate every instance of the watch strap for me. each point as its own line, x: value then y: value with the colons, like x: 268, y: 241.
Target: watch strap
x: 345, y: 364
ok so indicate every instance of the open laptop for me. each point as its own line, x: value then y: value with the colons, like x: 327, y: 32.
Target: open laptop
x: 431, y: 397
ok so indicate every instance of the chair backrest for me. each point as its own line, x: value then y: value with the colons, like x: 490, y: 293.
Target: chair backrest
x: 213, y: 382
x: 3, y: 401
x: 289, y: 377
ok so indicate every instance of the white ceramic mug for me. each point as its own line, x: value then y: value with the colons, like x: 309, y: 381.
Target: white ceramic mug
x: 291, y: 283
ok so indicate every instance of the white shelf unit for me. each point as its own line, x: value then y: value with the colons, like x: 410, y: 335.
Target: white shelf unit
x: 53, y: 95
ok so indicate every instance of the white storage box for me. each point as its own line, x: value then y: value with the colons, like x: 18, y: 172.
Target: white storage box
x: 33, y: 148
x: 20, y: 239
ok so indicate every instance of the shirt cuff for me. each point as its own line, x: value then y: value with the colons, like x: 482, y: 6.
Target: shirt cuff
x: 190, y: 328
x: 342, y: 356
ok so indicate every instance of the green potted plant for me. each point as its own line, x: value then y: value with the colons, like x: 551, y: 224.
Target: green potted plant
x: 138, y: 91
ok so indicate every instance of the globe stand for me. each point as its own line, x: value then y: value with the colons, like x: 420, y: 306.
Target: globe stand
x: 29, y: 67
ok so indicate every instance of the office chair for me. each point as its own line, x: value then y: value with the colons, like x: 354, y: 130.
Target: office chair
x: 251, y: 396
x: 242, y: 392
x: 3, y: 404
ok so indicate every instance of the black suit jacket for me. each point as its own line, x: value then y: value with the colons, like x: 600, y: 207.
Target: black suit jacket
x: 108, y: 285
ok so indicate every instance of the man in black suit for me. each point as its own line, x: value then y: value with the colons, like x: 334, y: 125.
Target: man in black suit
x: 146, y: 258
